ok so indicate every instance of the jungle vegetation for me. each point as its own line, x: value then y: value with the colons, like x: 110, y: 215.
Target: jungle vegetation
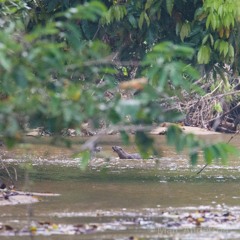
x: 61, y: 62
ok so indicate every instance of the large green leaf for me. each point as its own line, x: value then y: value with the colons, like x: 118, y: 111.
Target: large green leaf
x: 204, y: 54
x: 169, y: 6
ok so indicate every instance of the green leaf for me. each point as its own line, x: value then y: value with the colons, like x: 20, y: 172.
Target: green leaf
x: 221, y: 10
x: 97, y: 6
x: 208, y: 154
x: 144, y: 143
x: 88, y: 11
x: 223, y: 150
x: 148, y: 4
x: 141, y: 19
x: 113, y: 116
x: 216, y: 44
x: 209, y: 19
x: 147, y: 19
x: 225, y: 51
x: 73, y: 36
x: 132, y: 21
x: 218, y: 107
x: 214, y: 21
x: 203, y: 56
x: 178, y: 27
x: 162, y: 77
x: 205, y: 39
x: 228, y: 20
x: 10, y: 141
x: 216, y: 4
x: 184, y: 52
x: 231, y: 51
x: 193, y: 158
x: 51, y: 5
x: 223, y: 47
x: 5, y: 62
x: 181, y: 144
x: 169, y: 6
x: 185, y: 30
x: 49, y: 29
x: 191, y: 71
x: 84, y: 158
x: 211, y: 39
x: 173, y: 133
x: 125, y: 137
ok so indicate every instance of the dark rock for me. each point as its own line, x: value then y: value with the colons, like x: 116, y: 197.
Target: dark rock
x: 2, y: 185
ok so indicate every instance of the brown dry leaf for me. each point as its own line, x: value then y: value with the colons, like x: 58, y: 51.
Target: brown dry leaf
x: 137, y: 84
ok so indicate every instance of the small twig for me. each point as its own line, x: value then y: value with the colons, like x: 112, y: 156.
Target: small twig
x: 214, y: 90
x: 231, y: 138
x: 15, y: 172
x: 223, y: 94
x: 224, y: 114
x: 202, y: 168
x: 95, y: 34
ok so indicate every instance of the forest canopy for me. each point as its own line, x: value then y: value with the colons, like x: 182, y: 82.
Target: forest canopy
x: 61, y: 63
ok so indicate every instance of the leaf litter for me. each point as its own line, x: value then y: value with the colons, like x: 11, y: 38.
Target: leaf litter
x: 224, y: 219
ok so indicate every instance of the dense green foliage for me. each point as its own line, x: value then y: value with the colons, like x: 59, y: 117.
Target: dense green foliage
x: 59, y: 58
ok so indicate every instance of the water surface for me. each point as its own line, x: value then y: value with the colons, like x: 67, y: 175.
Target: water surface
x: 129, y: 197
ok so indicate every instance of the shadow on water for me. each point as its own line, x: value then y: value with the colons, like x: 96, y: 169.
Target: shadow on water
x: 159, y: 198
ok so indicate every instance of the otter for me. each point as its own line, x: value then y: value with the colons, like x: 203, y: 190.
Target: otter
x: 124, y: 155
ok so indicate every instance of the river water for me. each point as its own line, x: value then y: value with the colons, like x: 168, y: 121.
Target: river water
x: 160, y: 198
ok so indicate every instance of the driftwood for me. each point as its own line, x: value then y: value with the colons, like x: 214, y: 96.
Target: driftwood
x: 217, y: 110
